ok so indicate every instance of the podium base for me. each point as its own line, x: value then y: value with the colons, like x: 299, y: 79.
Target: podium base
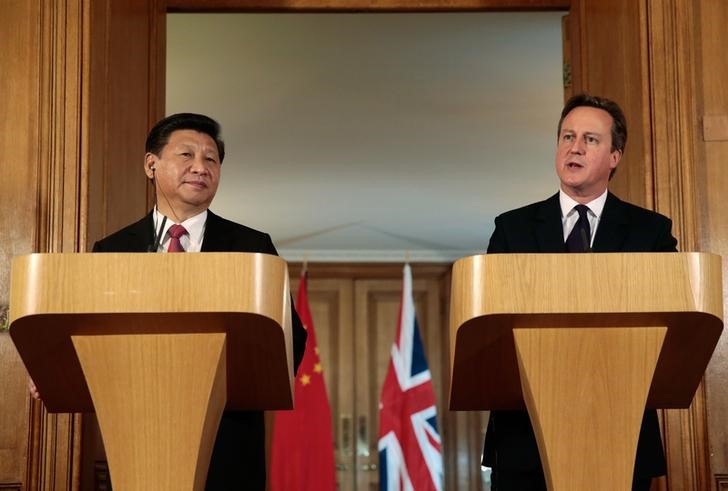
x: 159, y: 417
x: 587, y: 436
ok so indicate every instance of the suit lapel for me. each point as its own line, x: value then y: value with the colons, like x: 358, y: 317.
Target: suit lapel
x: 215, y: 240
x: 141, y: 235
x: 613, y: 226
x: 549, y: 229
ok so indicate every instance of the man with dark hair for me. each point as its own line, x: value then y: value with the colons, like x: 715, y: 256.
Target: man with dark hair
x: 583, y: 216
x: 159, y: 135
x: 184, y: 154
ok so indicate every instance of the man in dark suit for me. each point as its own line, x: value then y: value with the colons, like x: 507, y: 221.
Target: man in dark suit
x: 582, y: 216
x: 184, y: 154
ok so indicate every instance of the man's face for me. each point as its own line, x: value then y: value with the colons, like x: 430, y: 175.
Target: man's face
x: 584, y: 156
x: 187, y: 173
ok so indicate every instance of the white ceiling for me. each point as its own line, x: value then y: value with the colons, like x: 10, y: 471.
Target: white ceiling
x: 372, y: 136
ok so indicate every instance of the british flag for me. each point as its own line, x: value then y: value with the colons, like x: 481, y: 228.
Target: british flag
x: 410, y: 456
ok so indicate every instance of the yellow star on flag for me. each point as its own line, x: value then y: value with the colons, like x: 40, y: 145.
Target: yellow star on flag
x: 316, y: 350
x: 317, y: 368
x: 305, y: 379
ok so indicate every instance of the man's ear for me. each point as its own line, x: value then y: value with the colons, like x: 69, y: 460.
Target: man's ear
x: 150, y: 164
x: 616, y: 157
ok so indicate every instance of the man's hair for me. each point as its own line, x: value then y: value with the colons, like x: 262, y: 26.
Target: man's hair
x: 159, y: 135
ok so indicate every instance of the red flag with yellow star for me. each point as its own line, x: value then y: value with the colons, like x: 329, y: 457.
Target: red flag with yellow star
x: 302, y: 452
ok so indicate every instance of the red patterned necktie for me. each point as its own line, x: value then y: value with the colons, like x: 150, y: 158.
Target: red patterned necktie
x: 175, y: 232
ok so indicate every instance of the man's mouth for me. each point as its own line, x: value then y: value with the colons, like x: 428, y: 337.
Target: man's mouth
x: 574, y: 165
x: 197, y: 184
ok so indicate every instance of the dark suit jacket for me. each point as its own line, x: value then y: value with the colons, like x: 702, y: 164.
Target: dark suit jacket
x: 238, y: 458
x: 623, y: 227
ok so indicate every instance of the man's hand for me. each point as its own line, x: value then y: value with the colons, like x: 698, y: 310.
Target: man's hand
x: 33, y: 390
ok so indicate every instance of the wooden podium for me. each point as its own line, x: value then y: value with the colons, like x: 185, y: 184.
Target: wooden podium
x: 158, y: 345
x: 585, y: 342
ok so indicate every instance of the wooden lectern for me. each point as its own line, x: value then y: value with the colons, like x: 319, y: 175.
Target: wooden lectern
x: 585, y: 342
x: 158, y: 345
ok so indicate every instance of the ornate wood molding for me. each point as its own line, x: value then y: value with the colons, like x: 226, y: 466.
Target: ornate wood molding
x: 673, y: 118
x: 54, y: 439
x: 61, y: 200
x: 673, y: 114
x: 363, y: 5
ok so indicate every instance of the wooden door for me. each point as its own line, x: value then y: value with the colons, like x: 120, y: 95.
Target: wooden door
x: 376, y: 317
x: 355, y: 311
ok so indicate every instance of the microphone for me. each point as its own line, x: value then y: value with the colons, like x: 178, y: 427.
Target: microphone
x: 155, y: 247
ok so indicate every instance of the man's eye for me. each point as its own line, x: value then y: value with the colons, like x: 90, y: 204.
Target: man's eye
x: 568, y: 138
x: 591, y: 139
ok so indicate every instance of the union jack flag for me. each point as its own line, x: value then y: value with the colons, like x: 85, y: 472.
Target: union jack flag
x: 410, y: 456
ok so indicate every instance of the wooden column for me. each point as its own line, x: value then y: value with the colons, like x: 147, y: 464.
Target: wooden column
x: 41, y: 127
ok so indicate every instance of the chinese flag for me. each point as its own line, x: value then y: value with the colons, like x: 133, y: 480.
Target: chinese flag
x: 302, y: 453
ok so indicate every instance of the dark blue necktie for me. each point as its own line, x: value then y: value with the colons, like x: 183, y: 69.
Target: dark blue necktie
x: 579, y: 239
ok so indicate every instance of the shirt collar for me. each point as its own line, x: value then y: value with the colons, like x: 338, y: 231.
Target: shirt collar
x: 596, y: 206
x: 195, y: 226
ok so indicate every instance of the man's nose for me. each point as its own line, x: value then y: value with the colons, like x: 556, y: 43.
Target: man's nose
x: 198, y: 166
x: 577, y: 146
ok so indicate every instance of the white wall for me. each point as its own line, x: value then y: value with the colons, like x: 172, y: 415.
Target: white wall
x: 362, y: 136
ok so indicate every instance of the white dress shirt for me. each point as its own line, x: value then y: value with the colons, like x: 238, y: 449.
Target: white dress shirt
x: 191, y: 241
x: 569, y: 215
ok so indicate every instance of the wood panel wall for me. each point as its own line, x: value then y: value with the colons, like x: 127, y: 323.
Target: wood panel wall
x: 74, y: 113
x: 81, y: 81
x: 662, y: 60
x: 710, y: 130
x: 40, y: 130
x: 671, y: 32
x: 125, y: 98
x: 608, y: 56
